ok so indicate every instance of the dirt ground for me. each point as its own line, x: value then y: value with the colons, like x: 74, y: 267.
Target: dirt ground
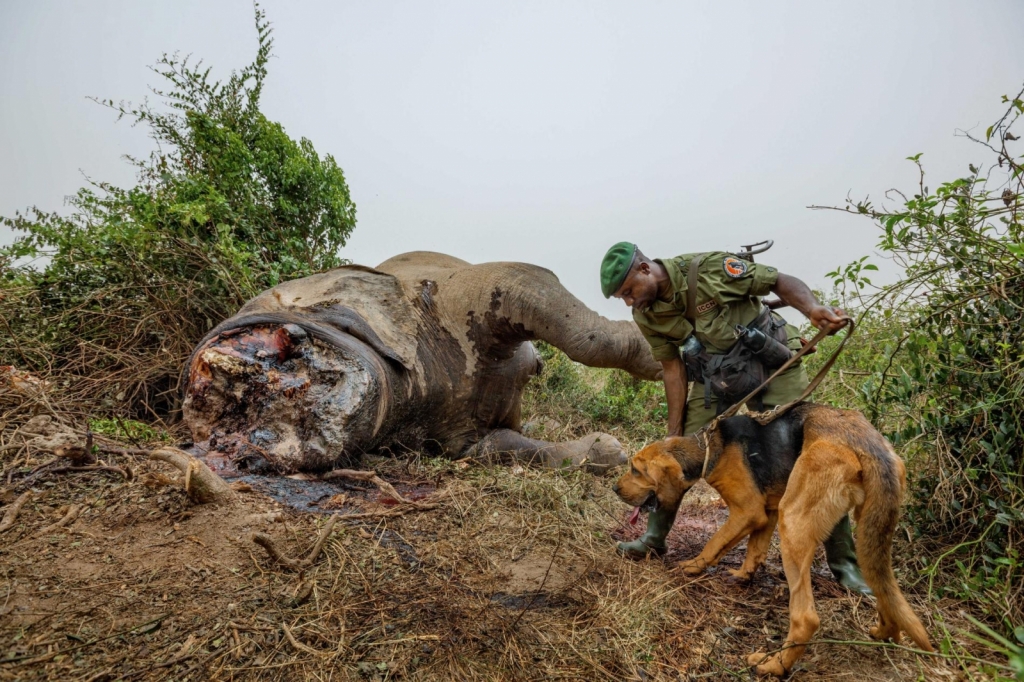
x: 497, y: 573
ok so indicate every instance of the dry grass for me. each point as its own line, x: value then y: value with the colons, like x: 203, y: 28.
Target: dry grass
x: 512, y: 576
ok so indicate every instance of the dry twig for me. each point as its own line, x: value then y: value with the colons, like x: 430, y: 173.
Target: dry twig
x: 370, y: 476
x: 73, y: 512
x: 299, y: 646
x: 12, y: 511
x: 267, y: 543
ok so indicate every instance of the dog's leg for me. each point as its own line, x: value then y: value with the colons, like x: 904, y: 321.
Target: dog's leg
x: 816, y: 498
x: 741, y: 522
x: 757, y: 548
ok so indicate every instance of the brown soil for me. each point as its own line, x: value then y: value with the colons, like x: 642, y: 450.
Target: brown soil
x: 514, y: 576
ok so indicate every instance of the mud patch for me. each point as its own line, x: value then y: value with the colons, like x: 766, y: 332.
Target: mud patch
x: 534, y: 573
x: 310, y: 495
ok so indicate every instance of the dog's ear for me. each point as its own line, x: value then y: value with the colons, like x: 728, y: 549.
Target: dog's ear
x: 675, y: 446
x: 668, y: 479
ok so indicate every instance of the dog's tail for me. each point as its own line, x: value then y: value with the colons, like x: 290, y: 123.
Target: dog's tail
x: 884, y: 482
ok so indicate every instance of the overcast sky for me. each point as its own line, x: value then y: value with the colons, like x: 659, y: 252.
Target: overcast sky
x: 545, y: 131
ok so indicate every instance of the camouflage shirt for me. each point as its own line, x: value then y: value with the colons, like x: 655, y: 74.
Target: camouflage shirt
x: 729, y: 292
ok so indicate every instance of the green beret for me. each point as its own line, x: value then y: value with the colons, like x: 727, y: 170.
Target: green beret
x: 615, y: 267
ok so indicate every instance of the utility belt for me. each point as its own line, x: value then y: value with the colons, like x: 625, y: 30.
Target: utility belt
x: 760, y: 348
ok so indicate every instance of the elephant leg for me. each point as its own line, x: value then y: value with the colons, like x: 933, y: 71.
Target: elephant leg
x: 597, y: 452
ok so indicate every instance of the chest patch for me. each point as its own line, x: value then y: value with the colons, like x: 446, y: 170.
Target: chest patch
x: 704, y: 307
x: 734, y: 267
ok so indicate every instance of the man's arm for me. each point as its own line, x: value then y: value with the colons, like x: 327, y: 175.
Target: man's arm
x: 793, y: 292
x: 675, y: 394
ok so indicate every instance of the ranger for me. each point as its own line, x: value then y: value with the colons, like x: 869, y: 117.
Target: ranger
x: 726, y: 345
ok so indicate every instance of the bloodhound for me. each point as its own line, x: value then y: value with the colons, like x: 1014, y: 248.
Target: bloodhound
x: 803, y: 471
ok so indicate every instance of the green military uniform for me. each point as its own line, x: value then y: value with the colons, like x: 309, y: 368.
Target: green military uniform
x: 729, y: 292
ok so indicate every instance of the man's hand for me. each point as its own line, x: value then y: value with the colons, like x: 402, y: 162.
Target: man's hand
x: 793, y: 292
x: 827, y: 317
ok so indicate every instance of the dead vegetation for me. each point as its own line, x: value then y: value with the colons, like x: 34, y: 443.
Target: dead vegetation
x: 418, y: 569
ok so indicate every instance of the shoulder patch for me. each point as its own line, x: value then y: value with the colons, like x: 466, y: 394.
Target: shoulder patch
x: 706, y: 306
x: 734, y: 267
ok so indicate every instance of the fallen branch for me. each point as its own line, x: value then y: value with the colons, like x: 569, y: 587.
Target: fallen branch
x: 267, y: 543
x: 319, y: 545
x: 126, y: 473
x: 73, y: 512
x: 299, y: 646
x: 370, y: 476
x: 201, y: 484
x: 391, y: 513
x: 12, y: 511
x: 302, y: 593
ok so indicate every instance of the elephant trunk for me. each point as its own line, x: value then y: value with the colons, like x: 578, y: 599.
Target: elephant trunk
x: 523, y: 302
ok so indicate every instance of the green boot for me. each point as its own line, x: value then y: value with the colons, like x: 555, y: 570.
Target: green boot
x: 659, y: 523
x: 842, y: 558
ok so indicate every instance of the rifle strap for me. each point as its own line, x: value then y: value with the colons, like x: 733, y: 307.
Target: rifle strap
x: 691, y: 312
x: 691, y: 290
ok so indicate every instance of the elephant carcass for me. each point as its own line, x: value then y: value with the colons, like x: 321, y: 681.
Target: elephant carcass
x: 425, y: 352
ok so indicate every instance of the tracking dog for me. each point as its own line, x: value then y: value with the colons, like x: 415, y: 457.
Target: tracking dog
x: 803, y: 471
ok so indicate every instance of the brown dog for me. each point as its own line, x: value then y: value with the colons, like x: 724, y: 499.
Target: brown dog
x: 803, y: 471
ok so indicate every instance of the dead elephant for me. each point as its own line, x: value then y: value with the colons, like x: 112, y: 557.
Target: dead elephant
x: 424, y: 352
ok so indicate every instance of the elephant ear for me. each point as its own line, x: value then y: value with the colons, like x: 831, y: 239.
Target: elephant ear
x: 367, y: 304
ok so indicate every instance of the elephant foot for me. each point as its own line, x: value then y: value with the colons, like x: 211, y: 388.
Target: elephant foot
x: 596, y: 452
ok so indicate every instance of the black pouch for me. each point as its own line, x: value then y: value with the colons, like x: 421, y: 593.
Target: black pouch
x: 766, y: 336
x: 732, y: 375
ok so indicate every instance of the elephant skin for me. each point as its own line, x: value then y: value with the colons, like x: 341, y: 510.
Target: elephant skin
x: 425, y: 352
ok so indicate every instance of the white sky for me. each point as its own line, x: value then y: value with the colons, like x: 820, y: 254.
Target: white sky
x: 545, y: 131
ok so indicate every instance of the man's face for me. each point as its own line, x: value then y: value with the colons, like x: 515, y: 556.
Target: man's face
x: 638, y: 290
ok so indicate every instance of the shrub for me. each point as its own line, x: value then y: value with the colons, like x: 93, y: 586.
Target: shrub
x: 950, y: 379
x: 114, y: 295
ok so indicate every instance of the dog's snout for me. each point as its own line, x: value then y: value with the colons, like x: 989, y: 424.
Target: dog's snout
x: 615, y: 488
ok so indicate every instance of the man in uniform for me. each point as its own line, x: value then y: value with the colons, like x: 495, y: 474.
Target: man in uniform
x: 729, y: 292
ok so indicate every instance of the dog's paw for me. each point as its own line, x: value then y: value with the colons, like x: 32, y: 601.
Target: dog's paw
x: 765, y: 665
x: 693, y: 566
x: 884, y: 632
x: 741, y: 575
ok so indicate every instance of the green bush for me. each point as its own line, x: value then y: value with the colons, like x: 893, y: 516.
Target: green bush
x: 948, y: 380
x: 114, y: 295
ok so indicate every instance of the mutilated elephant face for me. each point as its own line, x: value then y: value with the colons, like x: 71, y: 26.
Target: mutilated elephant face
x: 274, y: 398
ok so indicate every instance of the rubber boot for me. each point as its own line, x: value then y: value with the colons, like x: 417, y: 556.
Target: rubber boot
x: 842, y: 558
x: 659, y: 523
